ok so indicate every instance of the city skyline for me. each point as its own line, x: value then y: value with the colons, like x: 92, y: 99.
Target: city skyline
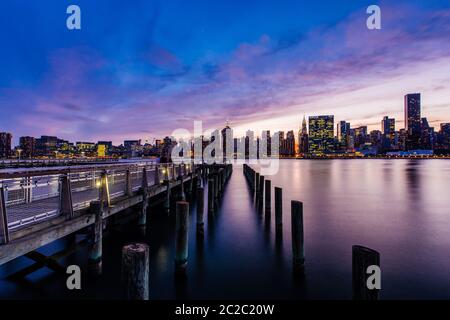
x: 144, y: 76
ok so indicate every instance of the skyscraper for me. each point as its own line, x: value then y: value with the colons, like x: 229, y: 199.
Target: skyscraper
x: 303, y: 138
x: 5, y: 144
x: 412, y: 121
x: 388, y: 131
x: 321, y: 134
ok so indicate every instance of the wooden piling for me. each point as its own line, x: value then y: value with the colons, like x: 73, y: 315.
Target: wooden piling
x: 298, y: 250
x: 256, y: 182
x: 135, y: 271
x: 278, y: 208
x: 128, y: 184
x: 95, y: 256
x: 268, y: 191
x: 200, y: 209
x: 261, y: 186
x: 362, y: 258
x: 181, y: 236
x: 157, y: 180
x: 210, y: 196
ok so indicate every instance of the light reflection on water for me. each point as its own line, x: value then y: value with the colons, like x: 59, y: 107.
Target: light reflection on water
x: 398, y: 207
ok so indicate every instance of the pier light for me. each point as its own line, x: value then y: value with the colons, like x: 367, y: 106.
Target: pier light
x: 98, y: 184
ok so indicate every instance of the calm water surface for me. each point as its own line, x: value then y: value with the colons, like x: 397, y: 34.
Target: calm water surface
x: 398, y: 207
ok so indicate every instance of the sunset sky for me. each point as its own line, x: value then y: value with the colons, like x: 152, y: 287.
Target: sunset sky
x: 142, y: 68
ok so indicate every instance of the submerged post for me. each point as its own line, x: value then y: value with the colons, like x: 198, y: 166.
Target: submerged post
x: 298, y: 250
x: 200, y: 209
x: 268, y: 200
x: 181, y: 234
x: 278, y: 208
x: 135, y: 271
x: 362, y: 258
x: 95, y: 256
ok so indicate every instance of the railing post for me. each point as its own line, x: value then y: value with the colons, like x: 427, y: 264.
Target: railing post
x: 157, y: 178
x: 4, y: 233
x: 128, y: 184
x: 104, y: 189
x: 65, y: 197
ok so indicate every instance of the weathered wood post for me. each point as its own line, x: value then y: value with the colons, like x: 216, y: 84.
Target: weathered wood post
x: 181, y: 236
x: 298, y: 250
x: 268, y: 200
x: 261, y: 186
x: 219, y: 181
x: 4, y: 232
x: 135, y: 271
x: 210, y: 196
x: 362, y: 258
x: 95, y: 256
x: 200, y: 209
x: 142, y: 220
x: 256, y: 184
x: 128, y: 183
x: 278, y: 208
x: 65, y: 197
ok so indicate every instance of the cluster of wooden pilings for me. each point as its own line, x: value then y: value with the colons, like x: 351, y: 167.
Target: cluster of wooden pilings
x: 362, y: 257
x: 135, y: 257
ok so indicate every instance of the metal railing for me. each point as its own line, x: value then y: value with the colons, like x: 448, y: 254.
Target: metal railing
x: 30, y: 197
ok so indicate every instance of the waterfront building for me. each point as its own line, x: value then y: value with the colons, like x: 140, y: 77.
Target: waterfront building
x: 28, y: 147
x: 388, y: 131
x: 321, y: 135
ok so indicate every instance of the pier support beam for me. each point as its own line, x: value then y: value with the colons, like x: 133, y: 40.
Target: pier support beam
x: 167, y: 202
x: 298, y: 250
x: 181, y: 236
x: 135, y: 271
x: 95, y: 256
x: 362, y: 258
x: 261, y: 186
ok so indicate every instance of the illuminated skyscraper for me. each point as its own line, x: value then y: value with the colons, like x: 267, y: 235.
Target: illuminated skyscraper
x: 412, y: 120
x: 303, y: 138
x: 321, y: 134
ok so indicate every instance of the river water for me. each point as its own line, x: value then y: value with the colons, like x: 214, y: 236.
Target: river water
x: 397, y: 207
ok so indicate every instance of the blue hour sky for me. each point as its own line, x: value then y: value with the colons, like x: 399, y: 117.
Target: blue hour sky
x: 140, y: 69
